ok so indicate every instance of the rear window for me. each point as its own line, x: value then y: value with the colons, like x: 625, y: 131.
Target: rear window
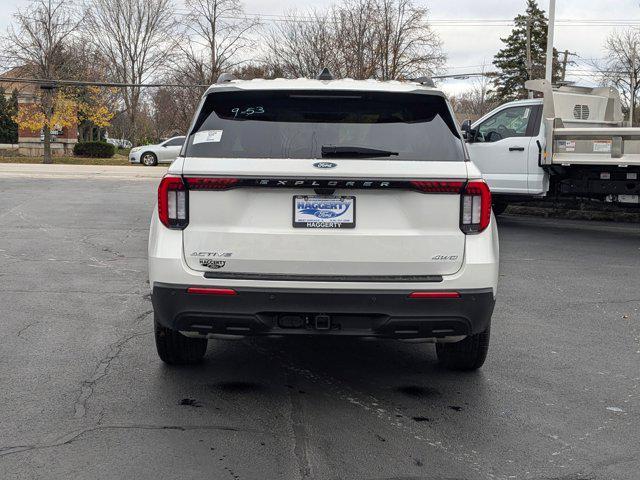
x: 320, y: 124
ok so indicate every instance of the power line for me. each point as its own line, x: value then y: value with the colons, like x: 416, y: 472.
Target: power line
x: 463, y: 76
x: 475, y: 22
x: 46, y: 83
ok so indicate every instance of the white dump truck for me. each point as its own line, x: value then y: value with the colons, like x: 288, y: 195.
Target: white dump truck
x: 573, y: 141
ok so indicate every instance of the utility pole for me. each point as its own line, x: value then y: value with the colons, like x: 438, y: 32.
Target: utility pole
x: 529, y: 63
x: 634, y: 82
x: 550, y: 34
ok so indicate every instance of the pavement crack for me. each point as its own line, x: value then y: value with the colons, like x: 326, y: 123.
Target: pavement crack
x: 300, y: 443
x: 605, y: 302
x: 368, y: 404
x: 25, y: 328
x: 102, y: 369
x: 73, y: 436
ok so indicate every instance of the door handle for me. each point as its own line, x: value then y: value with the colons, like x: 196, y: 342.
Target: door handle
x: 516, y: 149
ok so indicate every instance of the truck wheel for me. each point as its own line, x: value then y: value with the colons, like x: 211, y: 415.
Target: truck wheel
x: 469, y: 354
x: 176, y: 349
x: 499, y: 208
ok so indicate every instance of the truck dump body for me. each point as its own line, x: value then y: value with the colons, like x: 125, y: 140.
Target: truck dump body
x: 596, y: 146
x: 585, y: 126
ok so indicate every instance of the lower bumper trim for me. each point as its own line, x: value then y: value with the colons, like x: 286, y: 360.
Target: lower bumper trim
x: 326, y: 278
x: 268, y: 311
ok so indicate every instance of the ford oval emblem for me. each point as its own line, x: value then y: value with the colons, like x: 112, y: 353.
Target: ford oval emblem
x: 325, y: 165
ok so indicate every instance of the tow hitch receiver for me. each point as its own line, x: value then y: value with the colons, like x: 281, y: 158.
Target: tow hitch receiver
x: 323, y: 322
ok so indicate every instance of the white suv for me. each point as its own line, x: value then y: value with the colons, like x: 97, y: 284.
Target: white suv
x: 324, y: 207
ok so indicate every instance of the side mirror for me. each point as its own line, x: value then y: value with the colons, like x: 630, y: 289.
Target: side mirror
x: 467, y: 132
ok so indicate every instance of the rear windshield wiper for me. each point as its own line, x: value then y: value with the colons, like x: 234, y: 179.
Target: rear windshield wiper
x: 333, y: 151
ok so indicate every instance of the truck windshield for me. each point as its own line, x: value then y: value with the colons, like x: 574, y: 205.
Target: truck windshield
x: 317, y: 124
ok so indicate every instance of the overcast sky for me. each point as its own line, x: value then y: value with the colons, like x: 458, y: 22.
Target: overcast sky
x: 468, y: 47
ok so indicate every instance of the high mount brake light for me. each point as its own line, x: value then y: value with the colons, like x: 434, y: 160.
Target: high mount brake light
x: 431, y: 186
x: 173, y: 197
x: 475, y: 212
x: 172, y: 203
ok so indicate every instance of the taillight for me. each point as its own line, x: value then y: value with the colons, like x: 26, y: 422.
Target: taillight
x: 433, y: 186
x: 475, y: 213
x: 172, y: 203
x: 209, y: 183
x: 173, y: 197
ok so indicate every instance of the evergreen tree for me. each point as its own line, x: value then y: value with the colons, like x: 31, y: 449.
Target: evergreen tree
x: 8, y: 109
x: 511, y: 61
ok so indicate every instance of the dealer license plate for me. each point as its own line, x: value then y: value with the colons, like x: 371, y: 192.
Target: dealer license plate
x: 324, y: 212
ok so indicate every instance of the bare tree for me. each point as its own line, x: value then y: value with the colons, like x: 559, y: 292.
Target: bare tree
x: 355, y: 39
x: 408, y: 47
x: 302, y: 45
x: 216, y: 37
x: 472, y: 104
x: 38, y: 43
x: 217, y: 34
x: 137, y: 38
x: 476, y: 101
x: 621, y: 66
x: 174, y: 107
x: 385, y: 39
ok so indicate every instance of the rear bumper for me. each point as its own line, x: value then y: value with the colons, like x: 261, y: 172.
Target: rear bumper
x: 364, y: 313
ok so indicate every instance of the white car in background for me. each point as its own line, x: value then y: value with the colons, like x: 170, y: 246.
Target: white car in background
x: 119, y: 142
x: 150, y: 155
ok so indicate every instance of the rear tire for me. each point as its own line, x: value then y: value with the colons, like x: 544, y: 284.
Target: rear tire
x: 149, y: 159
x: 469, y: 354
x: 499, y: 208
x: 176, y: 349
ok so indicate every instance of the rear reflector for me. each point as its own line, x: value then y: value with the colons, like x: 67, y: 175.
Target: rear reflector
x: 211, y: 291
x: 432, y: 186
x: 434, y: 295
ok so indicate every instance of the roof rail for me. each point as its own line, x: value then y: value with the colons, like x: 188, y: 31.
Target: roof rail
x: 325, y: 74
x: 226, y: 78
x: 426, y: 81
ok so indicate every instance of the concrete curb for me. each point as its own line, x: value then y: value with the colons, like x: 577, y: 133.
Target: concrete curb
x: 115, y: 172
x: 573, y: 214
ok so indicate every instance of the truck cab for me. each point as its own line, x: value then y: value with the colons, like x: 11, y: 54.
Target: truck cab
x: 505, y: 145
x: 570, y: 141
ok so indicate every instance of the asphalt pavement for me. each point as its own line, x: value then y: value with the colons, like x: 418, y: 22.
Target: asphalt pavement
x: 83, y: 394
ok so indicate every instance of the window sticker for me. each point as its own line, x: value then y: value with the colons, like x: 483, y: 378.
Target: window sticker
x: 208, y: 136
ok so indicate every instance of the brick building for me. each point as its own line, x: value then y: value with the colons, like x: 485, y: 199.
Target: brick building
x: 30, y: 142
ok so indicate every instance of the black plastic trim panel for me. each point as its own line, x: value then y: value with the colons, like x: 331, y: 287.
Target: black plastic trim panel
x: 325, y: 278
x: 347, y: 312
